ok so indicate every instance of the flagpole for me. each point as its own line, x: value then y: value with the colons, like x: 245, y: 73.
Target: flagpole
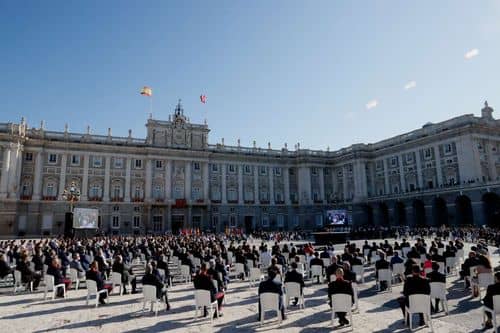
x: 151, y: 106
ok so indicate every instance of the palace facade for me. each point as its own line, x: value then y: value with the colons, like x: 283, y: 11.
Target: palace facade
x: 443, y: 173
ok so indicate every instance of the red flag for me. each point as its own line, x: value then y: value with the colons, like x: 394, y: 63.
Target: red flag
x: 203, y: 99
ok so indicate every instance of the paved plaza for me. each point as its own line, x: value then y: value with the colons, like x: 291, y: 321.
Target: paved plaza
x: 378, y: 312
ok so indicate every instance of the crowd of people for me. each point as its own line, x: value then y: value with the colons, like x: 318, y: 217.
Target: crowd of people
x: 283, y: 257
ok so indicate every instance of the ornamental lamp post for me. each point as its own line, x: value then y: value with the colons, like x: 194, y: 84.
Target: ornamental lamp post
x: 71, y: 194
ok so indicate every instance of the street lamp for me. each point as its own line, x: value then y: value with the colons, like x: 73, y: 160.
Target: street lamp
x: 71, y: 194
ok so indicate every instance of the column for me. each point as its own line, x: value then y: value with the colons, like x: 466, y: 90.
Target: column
x: 256, y: 184
x: 304, y: 185
x: 402, y: 174
x: 168, y: 181
x: 206, y: 182
x: 187, y: 181
x: 37, y: 181
x: 126, y: 194
x: 240, y: 184
x: 419, y: 171
x: 15, y: 172
x: 286, y: 184
x: 271, y: 185
x: 107, y: 174
x: 386, y: 177
x: 439, y: 170
x: 149, y: 180
x: 344, y: 182
x: 62, y: 177
x: 85, y: 180
x: 223, y: 184
x: 4, y: 181
x: 321, y: 176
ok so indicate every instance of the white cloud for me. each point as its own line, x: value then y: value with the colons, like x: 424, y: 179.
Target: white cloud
x: 410, y: 85
x: 371, y: 104
x: 471, y: 54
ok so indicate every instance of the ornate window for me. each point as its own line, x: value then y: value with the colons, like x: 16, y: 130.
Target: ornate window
x: 52, y: 159
x: 138, y: 164
x: 97, y: 161
x: 158, y: 191
x: 232, y: 221
x: 159, y: 164
x: 75, y: 160
x: 265, y: 221
x: 115, y: 222
x: 118, y: 163
x: 136, y: 222
x: 28, y: 156
x: 196, y: 166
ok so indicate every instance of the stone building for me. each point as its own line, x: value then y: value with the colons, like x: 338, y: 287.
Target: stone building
x: 443, y: 173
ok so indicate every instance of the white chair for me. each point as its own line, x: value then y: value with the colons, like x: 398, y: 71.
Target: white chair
x: 239, y: 269
x: 451, y: 263
x: 201, y: 300
x: 360, y: 272
x: 316, y: 271
x: 355, y: 291
x: 493, y: 312
x: 483, y: 281
x: 292, y: 290
x: 375, y: 257
x: 442, y: 267
x: 438, y: 291
x: 196, y: 262
x: 302, y: 258
x: 472, y: 274
x: 440, y: 251
x: 186, y: 273
x: 92, y: 290
x: 342, y: 303
x: 18, y: 284
x: 385, y: 275
x: 254, y: 276
x: 250, y: 263
x: 149, y: 293
x: 366, y: 253
x: 73, y: 275
x: 269, y: 302
x: 398, y: 270
x: 419, y: 303
x: 405, y: 251
x: 7, y: 280
x: 326, y: 262
x: 460, y: 255
x: 49, y: 286
x: 116, y: 280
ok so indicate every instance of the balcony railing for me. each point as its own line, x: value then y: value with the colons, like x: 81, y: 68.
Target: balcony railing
x: 137, y: 199
x: 25, y: 197
x: 49, y: 198
x: 95, y: 199
x: 117, y: 199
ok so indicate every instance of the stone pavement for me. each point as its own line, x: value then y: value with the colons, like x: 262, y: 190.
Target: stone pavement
x: 378, y: 312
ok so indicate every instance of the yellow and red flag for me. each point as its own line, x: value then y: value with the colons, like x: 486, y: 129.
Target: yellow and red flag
x: 146, y: 91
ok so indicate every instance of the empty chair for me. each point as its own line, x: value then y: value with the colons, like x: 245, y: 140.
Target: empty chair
x: 355, y: 292
x: 73, y: 275
x: 326, y: 262
x: 405, y: 251
x: 375, y: 257
x: 360, y: 272
x: 483, y: 281
x: 366, y: 253
x: 460, y: 255
x: 293, y: 291
x: 419, y: 303
x: 451, y: 264
x: 239, y: 269
x: 196, y: 262
x: 398, y: 270
x: 202, y: 300
x: 18, y: 284
x: 493, y: 312
x: 269, y: 302
x: 342, y: 303
x: 254, y: 276
x: 442, y: 267
x: 316, y: 271
x: 49, y: 286
x: 438, y: 291
x: 116, y: 280
x: 149, y: 294
x: 440, y: 251
x: 302, y: 258
x: 92, y: 290
x: 186, y: 273
x: 250, y: 263
x: 384, y: 275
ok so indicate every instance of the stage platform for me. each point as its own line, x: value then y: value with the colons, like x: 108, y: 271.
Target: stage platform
x: 333, y: 237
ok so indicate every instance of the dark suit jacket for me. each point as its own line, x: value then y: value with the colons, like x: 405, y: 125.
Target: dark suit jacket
x: 436, y: 277
x: 122, y: 269
x: 56, y: 273
x: 330, y: 270
x: 4, y: 269
x: 349, y: 276
x: 381, y: 264
x: 269, y: 286
x: 294, y: 276
x: 416, y: 285
x: 203, y: 281
x: 340, y: 287
x: 152, y: 280
x: 26, y: 273
x: 97, y: 277
x: 493, y: 289
x: 316, y: 261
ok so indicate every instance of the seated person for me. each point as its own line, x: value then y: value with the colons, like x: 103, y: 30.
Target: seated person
x: 414, y: 284
x: 163, y: 265
x: 126, y: 273
x: 203, y: 281
x: 77, y: 265
x: 94, y: 275
x: 4, y: 267
x: 381, y: 264
x: 493, y: 290
x: 294, y: 276
x: 340, y: 286
x: 435, y: 276
x: 316, y: 261
x: 471, y: 261
x: 272, y: 285
x: 27, y: 275
x: 150, y: 279
x: 349, y: 275
x: 55, y: 270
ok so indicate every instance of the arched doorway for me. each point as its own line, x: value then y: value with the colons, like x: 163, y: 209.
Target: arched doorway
x: 383, y: 212
x: 439, y: 212
x: 367, y: 214
x: 463, y: 211
x: 399, y: 213
x: 491, y: 208
x: 419, y: 213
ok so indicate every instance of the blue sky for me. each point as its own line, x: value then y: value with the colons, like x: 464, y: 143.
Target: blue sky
x: 278, y: 71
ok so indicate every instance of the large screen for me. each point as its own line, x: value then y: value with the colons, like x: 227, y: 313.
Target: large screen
x: 85, y: 218
x: 336, y: 216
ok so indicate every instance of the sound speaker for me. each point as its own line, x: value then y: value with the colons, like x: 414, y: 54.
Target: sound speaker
x: 68, y: 225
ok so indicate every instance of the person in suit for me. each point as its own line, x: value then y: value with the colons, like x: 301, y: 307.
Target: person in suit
x: 272, y: 285
x: 77, y: 265
x: 38, y: 260
x: 340, y: 286
x: 27, y: 275
x: 4, y: 267
x: 316, y: 261
x: 493, y: 290
x: 214, y: 274
x: 150, y: 279
x: 163, y: 265
x: 101, y: 261
x: 332, y: 269
x: 396, y: 259
x: 414, y: 284
x: 204, y: 281
x: 435, y: 276
x: 349, y: 275
x: 381, y: 264
x: 294, y: 276
x: 94, y: 275
x: 126, y: 273
x: 471, y: 261
x: 55, y: 270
